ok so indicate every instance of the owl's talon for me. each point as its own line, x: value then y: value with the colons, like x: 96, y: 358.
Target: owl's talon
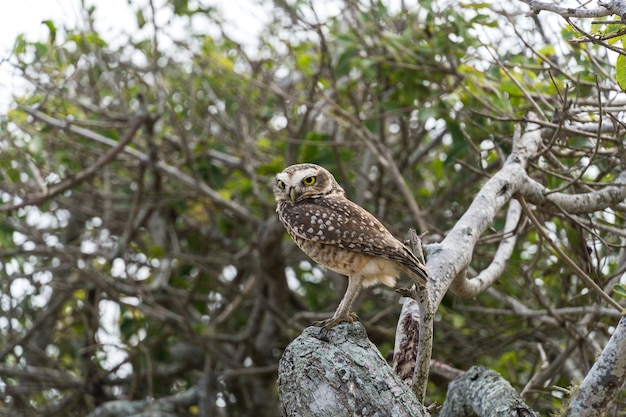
x: 333, y: 321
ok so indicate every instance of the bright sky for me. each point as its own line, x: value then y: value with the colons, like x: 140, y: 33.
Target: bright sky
x: 112, y: 16
x: 25, y: 17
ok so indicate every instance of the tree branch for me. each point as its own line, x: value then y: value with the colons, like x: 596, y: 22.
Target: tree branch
x: 450, y: 258
x: 44, y: 377
x: 407, y: 341
x: 482, y: 392
x: 165, y: 406
x: 539, y: 6
x: 573, y: 265
x: 471, y: 287
x: 605, y: 379
x: 237, y: 209
x: 613, y: 194
x: 117, y: 147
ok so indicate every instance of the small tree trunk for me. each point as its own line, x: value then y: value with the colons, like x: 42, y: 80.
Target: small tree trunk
x: 339, y: 372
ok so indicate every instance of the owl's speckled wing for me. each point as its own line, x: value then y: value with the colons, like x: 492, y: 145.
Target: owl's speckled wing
x: 342, y: 223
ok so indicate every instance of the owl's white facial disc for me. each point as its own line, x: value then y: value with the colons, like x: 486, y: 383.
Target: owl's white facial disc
x: 301, y: 181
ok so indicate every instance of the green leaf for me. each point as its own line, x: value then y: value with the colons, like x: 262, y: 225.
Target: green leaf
x: 547, y: 50
x: 20, y: 45
x: 181, y: 7
x: 476, y: 6
x: 53, y: 31
x: 620, y: 71
x: 620, y: 290
x: 616, y: 39
x: 41, y: 49
x: 345, y: 62
x: 141, y: 19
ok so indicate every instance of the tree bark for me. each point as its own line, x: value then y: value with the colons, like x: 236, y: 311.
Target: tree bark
x: 482, y: 392
x: 162, y: 407
x: 605, y: 379
x: 339, y: 372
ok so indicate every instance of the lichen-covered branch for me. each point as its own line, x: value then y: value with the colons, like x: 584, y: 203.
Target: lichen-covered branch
x: 482, y: 392
x: 339, y: 372
x: 165, y: 406
x: 605, y: 379
x: 614, y: 193
x: 447, y: 260
x: 606, y: 9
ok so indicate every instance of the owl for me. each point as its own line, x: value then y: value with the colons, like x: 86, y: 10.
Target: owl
x: 340, y: 235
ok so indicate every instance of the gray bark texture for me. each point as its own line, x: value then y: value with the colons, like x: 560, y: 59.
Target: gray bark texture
x: 605, y: 379
x: 481, y: 392
x: 339, y: 372
x: 163, y: 407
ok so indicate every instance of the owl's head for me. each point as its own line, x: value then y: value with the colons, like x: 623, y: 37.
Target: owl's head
x: 301, y: 181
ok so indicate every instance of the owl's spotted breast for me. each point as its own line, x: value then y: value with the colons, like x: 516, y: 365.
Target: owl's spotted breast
x: 340, y: 223
x: 343, y: 224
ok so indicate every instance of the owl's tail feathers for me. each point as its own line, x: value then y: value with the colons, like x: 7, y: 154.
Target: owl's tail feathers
x: 415, y: 257
x: 415, y: 269
x: 418, y: 273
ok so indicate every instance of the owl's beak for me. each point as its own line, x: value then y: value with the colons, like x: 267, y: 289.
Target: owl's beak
x: 292, y: 194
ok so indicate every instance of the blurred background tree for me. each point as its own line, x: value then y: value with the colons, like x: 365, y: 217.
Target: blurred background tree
x: 142, y: 267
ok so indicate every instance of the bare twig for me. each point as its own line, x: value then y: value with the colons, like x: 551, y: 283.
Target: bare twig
x: 235, y: 208
x: 544, y: 365
x: 586, y: 278
x: 81, y: 176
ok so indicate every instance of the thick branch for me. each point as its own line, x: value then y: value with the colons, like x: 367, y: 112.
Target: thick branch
x: 452, y: 256
x: 448, y: 260
x: 605, y: 379
x: 538, y: 6
x: 165, y: 406
x: 407, y: 342
x: 482, y: 392
x: 339, y: 372
x: 609, y: 196
x: 617, y: 7
x: 472, y: 287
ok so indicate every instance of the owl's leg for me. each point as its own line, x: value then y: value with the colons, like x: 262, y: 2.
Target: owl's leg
x: 343, y: 314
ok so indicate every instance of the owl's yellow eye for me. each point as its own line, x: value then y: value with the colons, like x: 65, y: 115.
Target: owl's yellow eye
x: 280, y: 184
x: 308, y: 181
